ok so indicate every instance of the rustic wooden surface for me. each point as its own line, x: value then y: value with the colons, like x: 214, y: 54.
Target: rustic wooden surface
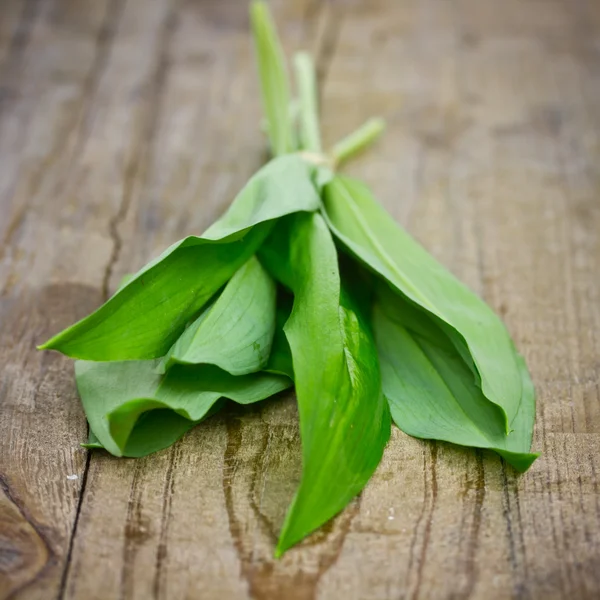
x: 125, y: 125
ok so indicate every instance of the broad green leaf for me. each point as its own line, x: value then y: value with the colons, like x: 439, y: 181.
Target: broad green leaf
x: 369, y: 233
x: 344, y: 419
x: 236, y: 332
x: 432, y: 392
x: 273, y: 80
x: 132, y: 410
x: 147, y: 315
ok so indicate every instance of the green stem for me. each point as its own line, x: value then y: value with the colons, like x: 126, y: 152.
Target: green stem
x: 306, y: 80
x: 273, y: 80
x: 357, y: 141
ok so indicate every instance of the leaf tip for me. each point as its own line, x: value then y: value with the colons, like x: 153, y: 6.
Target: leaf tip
x: 258, y: 9
x: 282, y: 547
x: 520, y: 461
x: 289, y: 535
x: 527, y: 461
x: 284, y: 543
x: 54, y: 343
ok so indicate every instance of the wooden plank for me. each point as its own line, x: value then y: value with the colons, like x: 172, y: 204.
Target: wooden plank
x: 204, y: 145
x: 45, y: 80
x: 491, y: 162
x: 130, y: 125
x: 17, y: 22
x: 54, y: 254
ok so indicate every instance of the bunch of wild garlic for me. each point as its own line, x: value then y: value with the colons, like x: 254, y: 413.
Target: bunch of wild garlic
x: 305, y: 281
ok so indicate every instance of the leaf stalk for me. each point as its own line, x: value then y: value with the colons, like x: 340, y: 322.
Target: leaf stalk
x: 357, y: 141
x: 306, y: 80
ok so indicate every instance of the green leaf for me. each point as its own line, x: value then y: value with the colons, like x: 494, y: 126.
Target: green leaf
x: 273, y: 79
x: 432, y: 392
x: 236, y: 332
x: 132, y: 410
x: 344, y: 419
x: 280, y: 359
x: 369, y: 233
x: 93, y: 442
x: 147, y: 315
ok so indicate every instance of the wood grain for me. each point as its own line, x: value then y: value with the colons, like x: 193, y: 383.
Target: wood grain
x: 125, y: 125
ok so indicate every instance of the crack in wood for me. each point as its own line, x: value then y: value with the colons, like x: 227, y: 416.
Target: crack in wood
x: 137, y: 166
x: 514, y: 533
x: 132, y: 172
x: 471, y: 568
x: 158, y: 585
x: 65, y: 574
x: 430, y: 495
x: 135, y: 534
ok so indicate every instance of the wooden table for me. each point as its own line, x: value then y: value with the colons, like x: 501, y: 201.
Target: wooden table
x: 126, y: 125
